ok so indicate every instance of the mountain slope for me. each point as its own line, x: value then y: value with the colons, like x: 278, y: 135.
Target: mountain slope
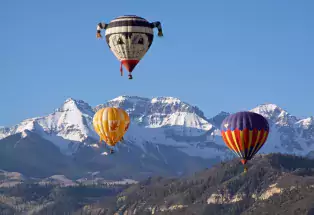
x: 67, y: 127
x: 32, y: 155
x: 288, y: 134
x: 274, y: 184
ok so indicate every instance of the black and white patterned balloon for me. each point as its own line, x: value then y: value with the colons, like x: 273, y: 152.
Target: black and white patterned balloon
x: 129, y: 38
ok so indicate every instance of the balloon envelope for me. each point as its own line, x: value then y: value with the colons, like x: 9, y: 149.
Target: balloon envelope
x: 129, y: 37
x: 245, y: 133
x: 109, y: 123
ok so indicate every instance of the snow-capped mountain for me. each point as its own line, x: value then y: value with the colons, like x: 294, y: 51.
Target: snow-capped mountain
x: 168, y: 121
x: 288, y: 134
x: 162, y: 125
x: 163, y: 112
x: 67, y: 127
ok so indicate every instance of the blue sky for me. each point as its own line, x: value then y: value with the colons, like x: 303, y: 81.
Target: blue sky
x: 218, y: 55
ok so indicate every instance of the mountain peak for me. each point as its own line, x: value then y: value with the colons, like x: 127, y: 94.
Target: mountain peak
x: 275, y: 113
x: 129, y: 98
x: 161, y: 112
x: 217, y: 120
x: 69, y: 100
x: 134, y: 99
x: 269, y: 110
x: 71, y: 104
x: 74, y: 101
x: 268, y: 107
x: 156, y: 104
x: 223, y: 113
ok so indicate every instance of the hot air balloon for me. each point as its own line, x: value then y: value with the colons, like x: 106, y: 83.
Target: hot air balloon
x: 129, y: 38
x: 110, y: 124
x: 245, y: 133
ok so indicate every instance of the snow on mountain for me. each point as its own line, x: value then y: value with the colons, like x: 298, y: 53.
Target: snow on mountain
x: 165, y: 121
x: 306, y: 123
x: 169, y: 121
x: 288, y: 134
x: 275, y: 114
x: 173, y: 122
x: 67, y: 127
x: 163, y: 112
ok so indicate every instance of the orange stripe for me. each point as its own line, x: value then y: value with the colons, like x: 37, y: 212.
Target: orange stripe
x: 236, y: 142
x: 233, y: 138
x: 231, y: 142
x: 236, y: 133
x: 227, y: 142
x: 230, y: 139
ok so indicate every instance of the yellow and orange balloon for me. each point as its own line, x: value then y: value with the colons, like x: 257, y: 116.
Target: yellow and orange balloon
x: 111, y: 124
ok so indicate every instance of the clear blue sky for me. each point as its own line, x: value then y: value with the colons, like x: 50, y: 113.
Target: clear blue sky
x: 218, y: 55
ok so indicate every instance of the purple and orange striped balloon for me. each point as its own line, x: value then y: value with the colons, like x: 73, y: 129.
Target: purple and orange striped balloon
x: 245, y: 133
